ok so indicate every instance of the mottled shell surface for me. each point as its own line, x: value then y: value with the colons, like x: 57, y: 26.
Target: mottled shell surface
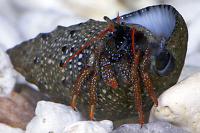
x: 39, y: 61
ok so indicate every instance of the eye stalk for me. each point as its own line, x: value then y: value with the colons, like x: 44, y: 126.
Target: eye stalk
x: 164, y: 62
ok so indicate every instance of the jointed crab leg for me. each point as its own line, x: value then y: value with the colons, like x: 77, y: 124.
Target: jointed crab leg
x: 146, y: 78
x: 85, y: 72
x: 108, y: 74
x: 92, y: 95
x: 136, y: 79
x: 77, y: 88
x: 136, y: 87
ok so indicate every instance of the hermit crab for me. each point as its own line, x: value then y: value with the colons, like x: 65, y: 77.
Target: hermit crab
x: 108, y: 66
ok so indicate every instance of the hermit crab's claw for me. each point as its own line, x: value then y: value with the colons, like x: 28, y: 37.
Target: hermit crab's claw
x: 164, y: 63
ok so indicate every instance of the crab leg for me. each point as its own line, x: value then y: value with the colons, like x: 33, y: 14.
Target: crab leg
x: 77, y: 88
x: 92, y: 95
x: 136, y: 87
x: 146, y: 78
x: 107, y: 73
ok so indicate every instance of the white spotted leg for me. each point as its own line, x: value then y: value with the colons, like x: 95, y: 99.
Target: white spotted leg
x: 136, y: 87
x: 144, y: 67
x: 77, y: 87
x: 93, y: 95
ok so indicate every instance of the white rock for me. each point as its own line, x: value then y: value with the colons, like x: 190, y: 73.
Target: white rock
x: 154, y: 127
x: 52, y: 118
x: 104, y: 126
x: 33, y: 23
x: 7, y: 129
x: 48, y: 5
x: 57, y: 118
x: 188, y: 71
x: 89, y: 8
x: 180, y: 105
x: 192, y: 59
x: 7, y: 74
x: 138, y: 4
x: 9, y: 36
x: 8, y: 11
x: 194, y: 30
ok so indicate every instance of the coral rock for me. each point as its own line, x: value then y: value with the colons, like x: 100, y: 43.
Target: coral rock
x: 155, y: 127
x: 52, y: 117
x: 180, y: 105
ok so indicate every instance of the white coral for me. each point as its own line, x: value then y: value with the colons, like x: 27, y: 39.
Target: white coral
x: 58, y: 118
x: 7, y: 74
x: 104, y: 126
x: 52, y: 117
x: 180, y: 105
x: 7, y: 129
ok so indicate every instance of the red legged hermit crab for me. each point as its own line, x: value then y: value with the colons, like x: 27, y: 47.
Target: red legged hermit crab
x: 108, y: 65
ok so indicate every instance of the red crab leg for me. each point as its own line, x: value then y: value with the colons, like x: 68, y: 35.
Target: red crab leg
x: 92, y: 95
x: 133, y: 42
x: 118, y: 18
x: 146, y: 78
x: 110, y: 28
x: 136, y: 87
x: 77, y: 88
x: 136, y: 79
x: 111, y: 81
x: 107, y: 73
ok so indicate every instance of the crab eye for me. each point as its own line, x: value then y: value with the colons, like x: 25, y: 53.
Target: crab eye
x: 164, y: 63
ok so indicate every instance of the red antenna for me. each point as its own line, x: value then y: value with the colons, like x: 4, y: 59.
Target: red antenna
x: 118, y: 18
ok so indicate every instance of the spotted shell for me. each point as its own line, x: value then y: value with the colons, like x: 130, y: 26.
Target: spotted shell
x: 39, y: 59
